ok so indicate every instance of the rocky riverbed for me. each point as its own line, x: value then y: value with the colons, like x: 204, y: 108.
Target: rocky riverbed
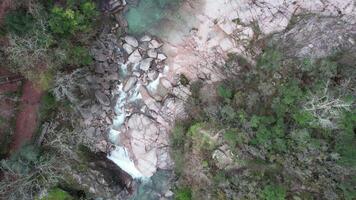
x: 130, y: 99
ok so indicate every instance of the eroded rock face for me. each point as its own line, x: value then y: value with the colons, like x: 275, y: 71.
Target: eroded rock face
x: 315, y: 36
x: 144, y: 133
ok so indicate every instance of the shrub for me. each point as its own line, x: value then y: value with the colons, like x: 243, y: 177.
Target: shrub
x: 270, y: 59
x: 48, y: 105
x: 57, y: 194
x: 225, y: 92
x: 79, y: 56
x: 183, y: 194
x: 19, y: 22
x: 273, y: 192
x: 68, y: 21
x: 63, y: 22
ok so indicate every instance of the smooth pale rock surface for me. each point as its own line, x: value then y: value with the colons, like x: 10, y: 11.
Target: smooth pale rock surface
x: 135, y: 57
x: 161, y: 57
x: 131, y: 41
x: 143, y: 134
x: 128, y: 48
x: 146, y: 64
x: 146, y: 38
x: 154, y: 44
x: 130, y: 83
x: 152, y: 53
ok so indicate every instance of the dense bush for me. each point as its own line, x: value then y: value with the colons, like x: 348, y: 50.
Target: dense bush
x: 290, y: 125
x: 67, y: 21
x: 49, y: 38
x: 19, y: 22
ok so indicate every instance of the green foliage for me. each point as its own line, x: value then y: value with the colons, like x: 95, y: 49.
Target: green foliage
x: 273, y: 192
x: 48, y: 106
x: 270, y: 59
x: 346, y: 141
x: 274, y: 132
x: 57, y: 194
x: 19, y: 22
x: 183, y: 194
x: 225, y: 92
x: 79, y: 56
x: 68, y: 21
x: 22, y: 161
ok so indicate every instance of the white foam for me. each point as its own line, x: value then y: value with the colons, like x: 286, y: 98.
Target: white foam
x: 121, y: 158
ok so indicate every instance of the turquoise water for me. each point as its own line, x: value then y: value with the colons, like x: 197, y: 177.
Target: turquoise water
x: 148, y: 13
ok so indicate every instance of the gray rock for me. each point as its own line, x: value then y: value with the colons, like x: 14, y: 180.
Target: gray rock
x: 130, y: 83
x: 113, y: 77
x: 161, y: 57
x: 221, y: 159
x: 99, y: 55
x: 135, y: 57
x: 152, y: 53
x: 169, y: 194
x: 152, y: 75
x: 146, y: 64
x: 154, y: 44
x: 91, y: 132
x: 146, y: 38
x: 317, y: 36
x: 131, y: 41
x: 102, y: 98
x: 128, y: 48
x: 99, y: 68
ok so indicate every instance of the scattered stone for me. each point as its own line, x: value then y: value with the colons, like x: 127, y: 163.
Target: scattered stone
x: 146, y: 38
x: 152, y: 53
x: 131, y: 41
x: 154, y: 44
x: 152, y: 75
x: 99, y: 68
x: 128, y: 48
x: 226, y: 44
x: 161, y: 57
x: 146, y: 64
x: 102, y: 98
x: 113, y: 77
x: 91, y: 132
x: 130, y: 83
x: 135, y: 57
x: 99, y: 55
x: 222, y: 158
x: 169, y: 194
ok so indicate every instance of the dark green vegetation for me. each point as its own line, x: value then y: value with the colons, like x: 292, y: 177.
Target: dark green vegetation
x: 47, y: 37
x: 27, y: 171
x: 286, y: 128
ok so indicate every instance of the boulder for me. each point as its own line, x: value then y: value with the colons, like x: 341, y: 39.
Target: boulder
x: 135, y: 57
x: 161, y: 57
x: 222, y: 157
x: 144, y: 135
x: 131, y: 41
x: 154, y: 44
x: 152, y: 53
x: 102, y: 98
x: 128, y: 48
x: 146, y: 38
x: 152, y: 75
x: 146, y: 64
x: 99, y: 55
x: 130, y: 83
x: 163, y: 89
